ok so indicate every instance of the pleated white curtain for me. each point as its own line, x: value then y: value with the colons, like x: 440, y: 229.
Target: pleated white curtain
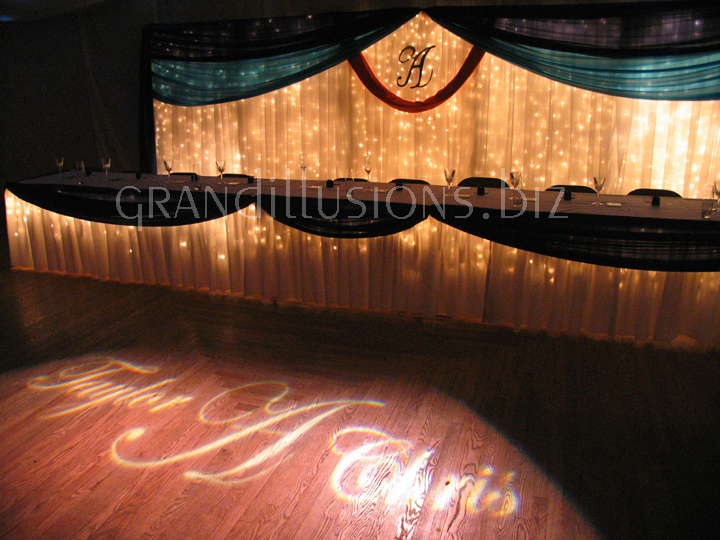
x: 503, y: 119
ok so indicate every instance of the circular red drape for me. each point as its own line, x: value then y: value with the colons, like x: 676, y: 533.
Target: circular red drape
x: 371, y: 82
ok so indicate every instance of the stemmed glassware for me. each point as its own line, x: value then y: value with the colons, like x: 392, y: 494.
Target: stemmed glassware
x: 105, y: 164
x: 59, y: 162
x: 716, y: 193
x: 367, y: 165
x: 449, y: 176
x: 303, y: 165
x: 168, y: 163
x: 220, y: 164
x: 516, y: 181
x: 708, y: 205
x: 599, y: 183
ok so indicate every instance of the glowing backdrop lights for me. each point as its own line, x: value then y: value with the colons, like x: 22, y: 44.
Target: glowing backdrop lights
x: 428, y: 269
x: 503, y: 117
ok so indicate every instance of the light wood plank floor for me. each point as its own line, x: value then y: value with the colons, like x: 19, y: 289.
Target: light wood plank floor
x: 131, y: 411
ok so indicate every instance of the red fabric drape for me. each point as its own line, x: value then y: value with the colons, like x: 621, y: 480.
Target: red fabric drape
x: 371, y: 82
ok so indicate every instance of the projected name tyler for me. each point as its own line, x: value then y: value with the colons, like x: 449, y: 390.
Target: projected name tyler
x: 89, y: 384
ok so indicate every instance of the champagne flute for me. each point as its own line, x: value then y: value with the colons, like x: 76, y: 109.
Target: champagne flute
x: 168, y: 163
x: 599, y: 183
x: 220, y: 164
x: 449, y: 176
x: 303, y: 165
x: 59, y: 162
x: 367, y: 165
x: 105, y: 164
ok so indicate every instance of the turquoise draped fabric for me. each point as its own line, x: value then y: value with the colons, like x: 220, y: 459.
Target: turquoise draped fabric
x: 203, y: 83
x: 251, y: 67
x: 650, y: 50
x: 666, y: 52
x: 669, y: 51
x: 691, y: 77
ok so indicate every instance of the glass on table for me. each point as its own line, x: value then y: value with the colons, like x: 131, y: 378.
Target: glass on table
x: 105, y: 162
x: 708, y: 206
x: 367, y: 165
x: 168, y: 163
x: 599, y: 182
x: 303, y: 164
x: 220, y: 164
x: 449, y: 176
x: 516, y: 181
x: 59, y: 162
x: 708, y: 202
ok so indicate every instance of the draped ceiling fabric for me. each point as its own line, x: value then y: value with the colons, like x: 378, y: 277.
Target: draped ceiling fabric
x: 562, y: 94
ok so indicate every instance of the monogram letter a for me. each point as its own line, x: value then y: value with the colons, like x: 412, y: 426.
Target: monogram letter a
x: 418, y: 62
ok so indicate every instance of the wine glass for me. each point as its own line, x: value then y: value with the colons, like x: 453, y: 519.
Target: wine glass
x: 105, y: 164
x: 449, y: 176
x: 168, y: 163
x: 220, y: 164
x: 599, y: 183
x: 367, y: 164
x: 516, y: 181
x: 303, y: 165
x: 708, y: 201
x: 59, y: 162
x: 716, y: 193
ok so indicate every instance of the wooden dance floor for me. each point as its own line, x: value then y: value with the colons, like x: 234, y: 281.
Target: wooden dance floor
x: 130, y: 411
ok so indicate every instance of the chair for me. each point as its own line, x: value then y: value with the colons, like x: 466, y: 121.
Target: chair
x: 571, y: 188
x: 408, y: 181
x: 650, y: 192
x: 481, y: 181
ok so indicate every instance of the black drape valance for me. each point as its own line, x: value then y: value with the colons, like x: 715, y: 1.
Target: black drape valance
x: 204, y: 63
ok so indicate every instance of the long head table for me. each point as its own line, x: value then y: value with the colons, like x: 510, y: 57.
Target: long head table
x: 667, y: 233
x: 406, y: 248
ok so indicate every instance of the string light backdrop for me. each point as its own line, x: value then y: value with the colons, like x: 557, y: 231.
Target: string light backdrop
x: 503, y: 118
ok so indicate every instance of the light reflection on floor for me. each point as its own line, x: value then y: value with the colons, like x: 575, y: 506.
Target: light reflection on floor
x: 268, y: 424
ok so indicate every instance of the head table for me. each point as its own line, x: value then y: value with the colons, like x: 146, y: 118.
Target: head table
x: 637, y: 266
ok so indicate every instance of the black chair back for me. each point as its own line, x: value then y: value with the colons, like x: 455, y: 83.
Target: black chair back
x: 650, y: 192
x: 571, y: 188
x: 482, y: 181
x: 408, y: 181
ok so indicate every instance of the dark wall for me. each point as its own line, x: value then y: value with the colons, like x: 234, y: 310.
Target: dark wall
x: 69, y: 85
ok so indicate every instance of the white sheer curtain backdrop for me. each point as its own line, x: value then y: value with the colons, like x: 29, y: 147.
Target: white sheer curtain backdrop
x: 504, y: 118
x: 430, y: 269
